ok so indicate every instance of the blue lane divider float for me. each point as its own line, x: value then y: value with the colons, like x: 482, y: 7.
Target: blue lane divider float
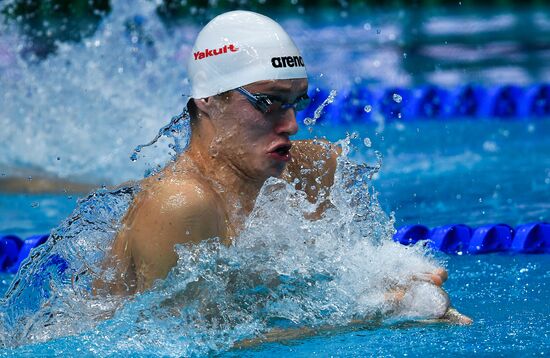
x: 533, y: 238
x: 359, y: 103
x: 13, y: 250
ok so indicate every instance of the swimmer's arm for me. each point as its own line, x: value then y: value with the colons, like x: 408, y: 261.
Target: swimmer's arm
x: 452, y: 316
x: 393, y: 297
x: 312, y: 168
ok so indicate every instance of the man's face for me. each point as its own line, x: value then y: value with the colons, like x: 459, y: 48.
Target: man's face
x: 256, y: 144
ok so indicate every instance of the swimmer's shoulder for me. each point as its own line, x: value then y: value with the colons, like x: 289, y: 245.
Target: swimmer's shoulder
x: 317, y: 153
x: 170, y: 212
x: 186, y: 199
x: 313, y: 163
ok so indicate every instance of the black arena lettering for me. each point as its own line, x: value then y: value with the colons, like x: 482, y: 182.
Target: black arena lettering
x: 287, y: 61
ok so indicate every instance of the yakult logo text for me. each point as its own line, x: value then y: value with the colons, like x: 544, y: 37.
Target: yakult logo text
x: 199, y: 55
x: 287, y: 61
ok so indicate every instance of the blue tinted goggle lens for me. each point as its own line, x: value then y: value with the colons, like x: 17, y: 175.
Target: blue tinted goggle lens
x: 265, y: 102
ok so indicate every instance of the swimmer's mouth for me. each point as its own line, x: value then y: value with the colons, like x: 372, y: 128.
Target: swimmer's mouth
x: 281, y: 152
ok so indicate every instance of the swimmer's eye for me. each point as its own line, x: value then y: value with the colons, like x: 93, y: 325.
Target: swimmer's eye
x: 267, y: 103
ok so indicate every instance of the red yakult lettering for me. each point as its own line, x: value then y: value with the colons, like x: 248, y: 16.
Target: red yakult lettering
x: 199, y: 55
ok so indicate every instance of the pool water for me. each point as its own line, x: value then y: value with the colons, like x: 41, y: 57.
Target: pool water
x: 87, y: 106
x: 507, y: 296
x: 462, y: 180
x: 459, y: 171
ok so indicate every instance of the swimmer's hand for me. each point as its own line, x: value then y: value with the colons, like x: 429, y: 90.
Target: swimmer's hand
x: 437, y: 278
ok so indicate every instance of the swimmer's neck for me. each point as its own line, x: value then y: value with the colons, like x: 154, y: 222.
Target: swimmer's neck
x: 239, y: 190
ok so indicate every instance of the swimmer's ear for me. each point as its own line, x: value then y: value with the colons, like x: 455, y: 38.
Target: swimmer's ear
x: 204, y: 105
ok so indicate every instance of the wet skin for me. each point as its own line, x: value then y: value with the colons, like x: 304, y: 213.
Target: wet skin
x: 211, y: 188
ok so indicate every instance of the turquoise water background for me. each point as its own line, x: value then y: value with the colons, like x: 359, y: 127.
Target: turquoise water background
x: 433, y: 173
x: 84, y: 109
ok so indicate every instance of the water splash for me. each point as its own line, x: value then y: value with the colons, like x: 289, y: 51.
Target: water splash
x: 92, y: 102
x: 319, y: 110
x: 282, y: 271
x: 177, y: 130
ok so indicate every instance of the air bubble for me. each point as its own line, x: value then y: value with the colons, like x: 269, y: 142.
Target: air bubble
x: 397, y: 98
x: 367, y: 142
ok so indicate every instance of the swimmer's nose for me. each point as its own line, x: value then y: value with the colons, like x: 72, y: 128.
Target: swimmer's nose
x: 287, y: 124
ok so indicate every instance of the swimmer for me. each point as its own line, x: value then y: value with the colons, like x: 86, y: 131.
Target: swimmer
x: 247, y: 81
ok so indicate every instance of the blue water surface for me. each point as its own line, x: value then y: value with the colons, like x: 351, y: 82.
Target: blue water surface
x: 434, y: 173
x: 507, y: 296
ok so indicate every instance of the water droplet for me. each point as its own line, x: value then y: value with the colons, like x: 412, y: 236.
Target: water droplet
x: 397, y: 98
x: 490, y: 146
x: 367, y: 142
x: 133, y: 157
x: 368, y: 108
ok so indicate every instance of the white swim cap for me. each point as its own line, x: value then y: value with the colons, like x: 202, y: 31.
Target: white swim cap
x: 238, y: 48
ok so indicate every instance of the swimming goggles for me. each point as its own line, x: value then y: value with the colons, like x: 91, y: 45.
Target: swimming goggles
x: 266, y: 103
